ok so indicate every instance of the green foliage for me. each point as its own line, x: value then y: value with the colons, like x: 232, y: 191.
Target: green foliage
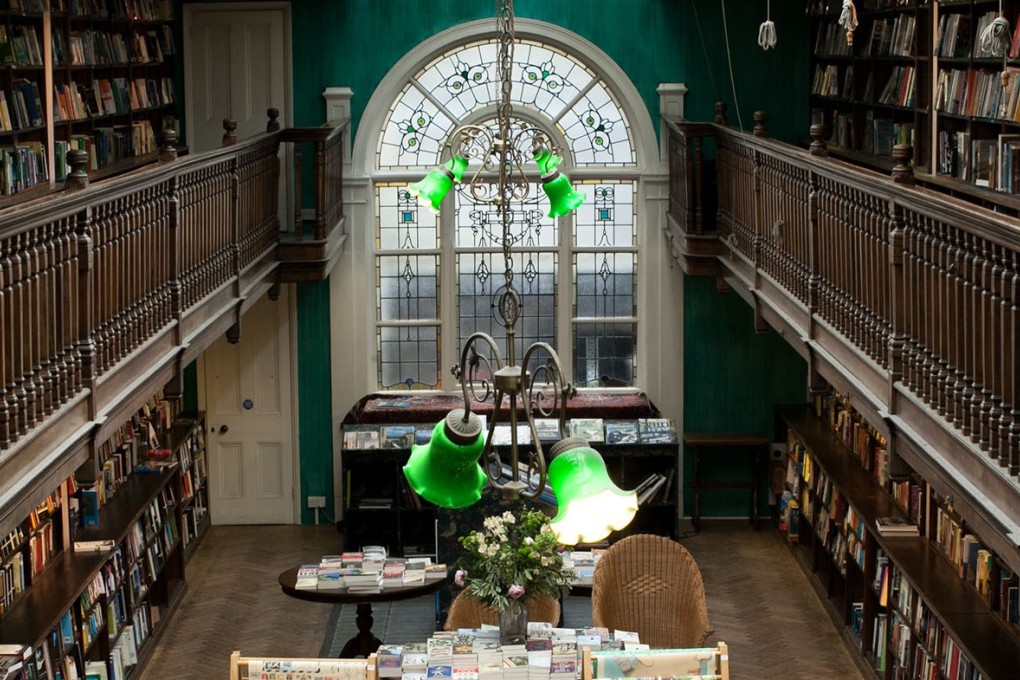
x: 514, y: 550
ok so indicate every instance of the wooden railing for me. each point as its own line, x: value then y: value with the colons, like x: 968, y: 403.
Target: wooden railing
x: 907, y: 297
x: 108, y: 290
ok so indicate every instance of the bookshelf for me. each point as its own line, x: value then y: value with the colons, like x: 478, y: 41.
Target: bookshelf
x: 381, y: 509
x: 78, y: 74
x: 876, y: 92
x: 103, y: 557
x: 903, y: 601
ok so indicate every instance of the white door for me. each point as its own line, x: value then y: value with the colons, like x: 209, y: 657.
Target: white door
x: 248, y: 404
x: 237, y: 62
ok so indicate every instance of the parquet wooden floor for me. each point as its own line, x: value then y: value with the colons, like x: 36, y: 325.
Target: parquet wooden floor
x: 759, y: 602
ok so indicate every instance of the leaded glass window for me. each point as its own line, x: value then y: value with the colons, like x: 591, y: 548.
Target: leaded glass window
x: 576, y: 276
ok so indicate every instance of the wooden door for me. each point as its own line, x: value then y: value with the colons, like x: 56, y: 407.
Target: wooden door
x: 237, y: 65
x: 248, y: 402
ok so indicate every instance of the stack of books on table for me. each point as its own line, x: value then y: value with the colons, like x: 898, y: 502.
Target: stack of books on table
x: 366, y: 572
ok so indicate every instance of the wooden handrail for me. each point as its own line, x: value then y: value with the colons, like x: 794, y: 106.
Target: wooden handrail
x: 328, y: 145
x: 904, y: 295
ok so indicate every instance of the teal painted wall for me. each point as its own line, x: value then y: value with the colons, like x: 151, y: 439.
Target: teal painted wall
x: 733, y: 379
x: 315, y: 411
x: 354, y: 43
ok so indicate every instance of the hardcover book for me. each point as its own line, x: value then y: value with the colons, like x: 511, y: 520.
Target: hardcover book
x: 397, y: 436
x: 361, y: 436
x: 622, y: 432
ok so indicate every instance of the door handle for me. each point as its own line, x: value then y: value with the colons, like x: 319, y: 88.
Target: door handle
x: 223, y: 429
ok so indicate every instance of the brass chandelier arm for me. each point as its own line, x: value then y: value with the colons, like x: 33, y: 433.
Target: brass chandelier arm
x: 471, y: 361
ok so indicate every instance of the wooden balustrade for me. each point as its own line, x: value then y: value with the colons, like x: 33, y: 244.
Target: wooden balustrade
x: 905, y: 295
x: 108, y: 289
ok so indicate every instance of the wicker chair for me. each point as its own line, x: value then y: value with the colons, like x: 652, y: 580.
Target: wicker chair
x: 467, y: 611
x: 651, y: 585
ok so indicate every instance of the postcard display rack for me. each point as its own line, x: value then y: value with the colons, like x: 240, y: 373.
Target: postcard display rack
x: 381, y: 509
x: 916, y: 593
x: 105, y: 85
x: 91, y: 576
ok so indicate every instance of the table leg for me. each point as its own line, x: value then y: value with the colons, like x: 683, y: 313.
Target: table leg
x: 364, y: 643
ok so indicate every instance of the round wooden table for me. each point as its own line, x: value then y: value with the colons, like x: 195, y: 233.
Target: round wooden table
x: 364, y: 643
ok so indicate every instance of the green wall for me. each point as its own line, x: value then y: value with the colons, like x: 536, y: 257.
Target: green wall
x: 315, y: 411
x: 733, y: 378
x: 354, y: 43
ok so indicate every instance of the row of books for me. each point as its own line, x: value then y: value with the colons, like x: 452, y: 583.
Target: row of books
x: 891, y: 37
x: 21, y: 46
x: 987, y: 162
x: 900, y: 88
x: 22, y: 107
x: 96, y: 47
x: 136, y: 10
x: 403, y: 436
x: 978, y: 94
x: 106, y: 97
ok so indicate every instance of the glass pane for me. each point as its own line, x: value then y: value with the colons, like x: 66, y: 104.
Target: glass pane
x: 481, y: 282
x: 403, y: 223
x: 598, y: 130
x: 414, y: 132
x: 546, y: 79
x: 604, y: 284
x: 606, y: 218
x: 478, y: 224
x: 604, y: 354
x: 409, y: 357
x: 408, y: 287
x: 463, y: 80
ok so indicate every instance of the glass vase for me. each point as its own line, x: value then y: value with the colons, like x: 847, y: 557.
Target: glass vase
x: 513, y: 624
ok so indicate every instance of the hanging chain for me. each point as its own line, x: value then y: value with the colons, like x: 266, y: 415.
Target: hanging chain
x: 505, y: 30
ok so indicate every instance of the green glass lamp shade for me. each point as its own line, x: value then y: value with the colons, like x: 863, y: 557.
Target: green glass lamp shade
x: 562, y: 197
x: 590, y: 505
x: 546, y: 160
x: 446, y: 471
x: 432, y: 189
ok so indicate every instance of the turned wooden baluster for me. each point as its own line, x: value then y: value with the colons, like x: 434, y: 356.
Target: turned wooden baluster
x: 1010, y: 427
x: 897, y: 300
x: 958, y: 329
x: 939, y: 329
x: 167, y: 145
x: 983, y: 401
x: 229, y: 132
x: 993, y: 412
x: 930, y: 301
x: 86, y: 302
x: 6, y: 344
x: 299, y: 227
x: 50, y: 324
x: 969, y: 307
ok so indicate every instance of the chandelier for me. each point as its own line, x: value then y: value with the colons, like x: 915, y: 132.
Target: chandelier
x: 446, y: 471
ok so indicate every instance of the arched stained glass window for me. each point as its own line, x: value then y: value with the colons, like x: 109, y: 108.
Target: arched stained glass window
x: 438, y: 277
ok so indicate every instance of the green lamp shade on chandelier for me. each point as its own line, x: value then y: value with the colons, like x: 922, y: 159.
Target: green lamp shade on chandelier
x: 590, y: 505
x: 446, y: 471
x: 432, y: 189
x: 562, y: 197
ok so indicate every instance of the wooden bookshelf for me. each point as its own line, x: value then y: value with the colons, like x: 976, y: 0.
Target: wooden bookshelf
x: 979, y: 634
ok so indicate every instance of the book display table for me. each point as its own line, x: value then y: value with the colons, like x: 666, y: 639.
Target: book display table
x: 364, y: 643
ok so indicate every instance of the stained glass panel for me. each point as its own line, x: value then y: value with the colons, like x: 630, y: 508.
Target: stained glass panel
x: 408, y: 287
x: 403, y: 223
x: 597, y: 130
x: 414, y: 132
x: 544, y: 79
x: 409, y: 357
x: 604, y: 354
x: 604, y: 284
x: 606, y: 218
x: 478, y: 224
x: 481, y: 281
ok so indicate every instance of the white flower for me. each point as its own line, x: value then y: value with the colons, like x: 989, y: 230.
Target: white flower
x: 528, y: 540
x: 546, y: 561
x: 508, y: 518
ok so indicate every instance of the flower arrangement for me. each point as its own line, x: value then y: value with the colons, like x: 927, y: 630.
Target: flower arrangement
x: 515, y: 557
